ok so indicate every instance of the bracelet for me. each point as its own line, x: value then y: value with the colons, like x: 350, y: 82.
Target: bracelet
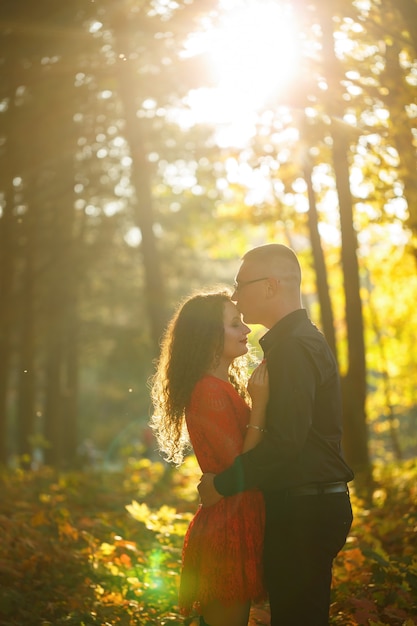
x: 262, y: 430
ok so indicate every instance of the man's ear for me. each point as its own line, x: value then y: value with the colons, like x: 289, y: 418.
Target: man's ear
x: 272, y: 287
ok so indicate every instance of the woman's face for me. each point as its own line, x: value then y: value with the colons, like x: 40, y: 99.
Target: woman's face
x: 235, y: 333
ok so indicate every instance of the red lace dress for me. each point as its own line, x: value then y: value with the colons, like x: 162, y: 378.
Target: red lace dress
x: 222, y: 554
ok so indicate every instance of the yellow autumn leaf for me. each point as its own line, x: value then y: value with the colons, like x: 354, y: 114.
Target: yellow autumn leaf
x: 139, y: 512
x: 107, y: 549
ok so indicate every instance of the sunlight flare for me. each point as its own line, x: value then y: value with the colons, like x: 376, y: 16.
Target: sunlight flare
x: 253, y: 52
x: 252, y: 56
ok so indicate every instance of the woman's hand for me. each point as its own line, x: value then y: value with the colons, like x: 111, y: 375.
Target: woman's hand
x: 258, y: 389
x: 258, y: 386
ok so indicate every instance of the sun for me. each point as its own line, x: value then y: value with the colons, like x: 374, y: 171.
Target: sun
x: 252, y: 54
x: 254, y: 50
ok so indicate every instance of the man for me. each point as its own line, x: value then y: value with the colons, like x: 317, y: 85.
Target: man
x: 298, y: 465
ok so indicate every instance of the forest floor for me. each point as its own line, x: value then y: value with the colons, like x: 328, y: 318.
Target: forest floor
x: 100, y: 548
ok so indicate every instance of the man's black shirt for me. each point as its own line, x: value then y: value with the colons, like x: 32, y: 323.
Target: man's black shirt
x: 302, y: 444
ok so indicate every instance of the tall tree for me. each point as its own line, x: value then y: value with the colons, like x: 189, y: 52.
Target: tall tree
x: 10, y: 121
x: 354, y: 382
x: 160, y: 76
x: 398, y: 95
x: 319, y: 259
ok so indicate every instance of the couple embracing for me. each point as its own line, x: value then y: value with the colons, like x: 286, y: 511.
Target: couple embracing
x: 275, y: 507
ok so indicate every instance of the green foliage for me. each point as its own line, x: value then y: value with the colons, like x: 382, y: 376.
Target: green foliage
x: 98, y: 549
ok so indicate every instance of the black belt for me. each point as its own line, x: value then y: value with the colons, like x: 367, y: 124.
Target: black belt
x: 318, y: 489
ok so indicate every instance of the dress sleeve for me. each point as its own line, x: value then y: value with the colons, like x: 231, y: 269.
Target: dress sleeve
x: 214, y: 427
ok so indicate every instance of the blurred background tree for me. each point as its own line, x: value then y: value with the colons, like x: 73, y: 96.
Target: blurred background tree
x: 144, y: 146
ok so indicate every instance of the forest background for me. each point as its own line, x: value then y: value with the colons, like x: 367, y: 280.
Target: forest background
x: 144, y: 147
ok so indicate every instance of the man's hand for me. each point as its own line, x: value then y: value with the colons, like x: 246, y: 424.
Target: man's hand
x: 208, y: 493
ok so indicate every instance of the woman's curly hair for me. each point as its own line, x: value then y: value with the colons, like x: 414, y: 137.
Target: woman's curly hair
x: 192, y: 341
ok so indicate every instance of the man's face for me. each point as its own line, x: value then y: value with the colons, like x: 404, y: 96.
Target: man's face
x: 249, y: 291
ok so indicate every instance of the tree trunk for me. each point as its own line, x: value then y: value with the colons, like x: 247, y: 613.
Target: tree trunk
x: 61, y: 340
x: 62, y: 345
x: 142, y: 181
x: 10, y: 119
x: 6, y: 314
x: 60, y: 418
x: 53, y: 397
x: 354, y: 383
x: 402, y: 131
x: 70, y: 400
x: 26, y: 368
x: 319, y: 262
x: 29, y: 281
x: 356, y: 436
x: 408, y: 10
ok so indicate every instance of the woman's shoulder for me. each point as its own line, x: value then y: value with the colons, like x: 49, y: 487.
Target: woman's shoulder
x: 209, y: 384
x: 212, y: 392
x: 208, y: 380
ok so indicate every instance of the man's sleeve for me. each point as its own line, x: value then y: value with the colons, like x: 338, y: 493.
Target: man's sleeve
x: 232, y: 480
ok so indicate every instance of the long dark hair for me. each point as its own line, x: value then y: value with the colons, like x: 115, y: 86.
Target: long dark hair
x: 191, y: 343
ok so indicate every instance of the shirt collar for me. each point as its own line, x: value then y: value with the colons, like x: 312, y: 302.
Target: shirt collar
x: 282, y: 328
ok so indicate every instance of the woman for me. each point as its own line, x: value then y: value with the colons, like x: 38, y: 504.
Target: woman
x: 199, y: 389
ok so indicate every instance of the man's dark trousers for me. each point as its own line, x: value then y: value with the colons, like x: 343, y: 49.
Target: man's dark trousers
x: 303, y: 535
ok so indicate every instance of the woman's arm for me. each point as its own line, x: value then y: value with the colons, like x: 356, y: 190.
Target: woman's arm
x: 258, y: 388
